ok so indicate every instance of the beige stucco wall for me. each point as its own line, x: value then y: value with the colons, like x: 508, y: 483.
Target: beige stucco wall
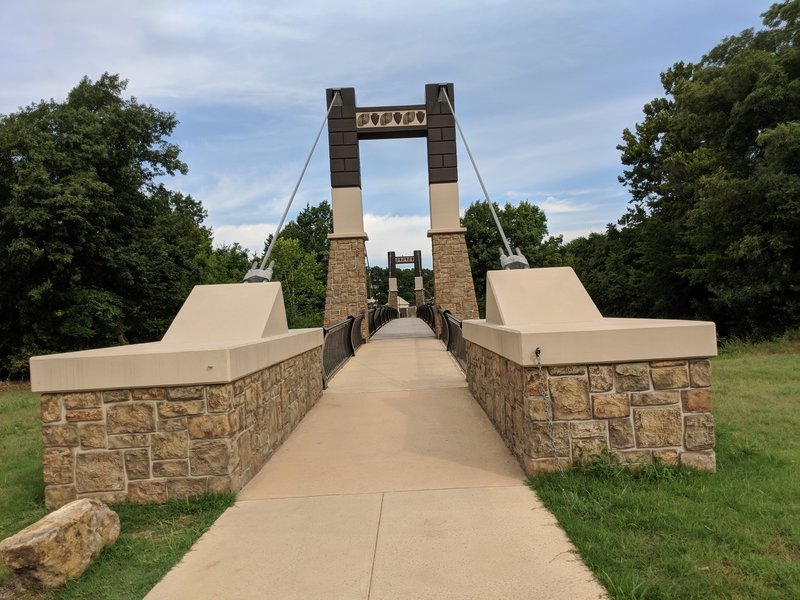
x: 159, y: 364
x: 444, y: 208
x: 229, y: 312
x: 550, y: 309
x: 221, y: 333
x: 550, y: 295
x: 348, y: 212
x: 600, y: 341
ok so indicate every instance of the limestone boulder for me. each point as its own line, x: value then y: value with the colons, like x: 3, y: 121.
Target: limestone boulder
x: 62, y: 545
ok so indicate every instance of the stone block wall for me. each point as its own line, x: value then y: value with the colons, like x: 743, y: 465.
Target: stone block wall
x: 634, y: 412
x: 346, y: 294
x: 454, y: 289
x: 149, y: 445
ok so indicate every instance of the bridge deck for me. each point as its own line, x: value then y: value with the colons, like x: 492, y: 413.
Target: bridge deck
x: 394, y: 486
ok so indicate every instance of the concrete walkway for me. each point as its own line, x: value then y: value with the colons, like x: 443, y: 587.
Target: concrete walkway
x: 394, y: 486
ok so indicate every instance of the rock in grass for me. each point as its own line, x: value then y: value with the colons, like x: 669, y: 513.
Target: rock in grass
x: 60, y: 546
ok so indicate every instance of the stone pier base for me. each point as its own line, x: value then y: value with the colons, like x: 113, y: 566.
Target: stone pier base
x: 347, y: 282
x: 633, y: 412
x: 454, y: 288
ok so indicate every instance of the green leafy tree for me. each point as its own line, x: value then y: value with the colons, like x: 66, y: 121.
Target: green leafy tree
x: 525, y: 225
x: 301, y: 280
x: 228, y: 264
x: 379, y: 276
x: 713, y: 173
x: 308, y: 251
x: 311, y: 229
x: 94, y: 250
x: 608, y: 266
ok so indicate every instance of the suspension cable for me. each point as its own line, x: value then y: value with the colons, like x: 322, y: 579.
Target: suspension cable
x: 443, y: 91
x: 335, y: 101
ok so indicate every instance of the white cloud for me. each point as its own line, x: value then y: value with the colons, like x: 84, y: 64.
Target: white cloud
x: 576, y: 233
x: 552, y: 205
x: 251, y: 237
x: 400, y: 234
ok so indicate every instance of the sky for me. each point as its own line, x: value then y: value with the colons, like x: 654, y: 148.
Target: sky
x: 543, y: 91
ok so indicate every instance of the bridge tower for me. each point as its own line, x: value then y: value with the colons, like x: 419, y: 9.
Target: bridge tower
x: 346, y: 295
x: 419, y: 291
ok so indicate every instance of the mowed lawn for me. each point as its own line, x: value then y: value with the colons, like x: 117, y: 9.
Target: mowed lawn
x: 152, y: 538
x: 672, y: 534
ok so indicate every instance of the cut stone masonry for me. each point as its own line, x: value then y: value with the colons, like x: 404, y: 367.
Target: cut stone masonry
x: 149, y: 445
x: 347, y: 282
x: 453, y: 286
x: 634, y: 412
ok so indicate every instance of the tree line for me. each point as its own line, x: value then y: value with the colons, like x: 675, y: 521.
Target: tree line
x: 713, y: 226
x: 95, y: 250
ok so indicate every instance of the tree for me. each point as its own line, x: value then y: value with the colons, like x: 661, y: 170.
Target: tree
x: 525, y: 226
x: 715, y: 186
x: 311, y: 229
x: 94, y: 250
x: 308, y: 252
x: 379, y: 277
x: 228, y: 264
x: 301, y: 280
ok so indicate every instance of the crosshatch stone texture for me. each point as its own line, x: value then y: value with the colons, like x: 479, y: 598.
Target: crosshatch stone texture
x: 347, y: 282
x: 157, y: 444
x: 454, y: 289
x: 634, y: 412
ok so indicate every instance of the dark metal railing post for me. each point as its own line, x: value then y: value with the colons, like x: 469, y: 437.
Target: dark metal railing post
x: 337, y: 347
x: 444, y: 334
x: 380, y: 316
x: 453, y: 338
x: 425, y: 312
x: 356, y: 339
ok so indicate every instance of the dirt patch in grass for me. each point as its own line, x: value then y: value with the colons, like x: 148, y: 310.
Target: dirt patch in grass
x: 15, y: 386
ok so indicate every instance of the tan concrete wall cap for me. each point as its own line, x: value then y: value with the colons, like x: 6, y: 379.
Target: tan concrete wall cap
x: 160, y: 364
x: 231, y: 312
x: 551, y: 310
x: 552, y: 295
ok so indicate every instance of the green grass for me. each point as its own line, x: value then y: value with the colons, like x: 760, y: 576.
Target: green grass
x: 667, y: 533
x: 152, y: 538
x: 788, y: 343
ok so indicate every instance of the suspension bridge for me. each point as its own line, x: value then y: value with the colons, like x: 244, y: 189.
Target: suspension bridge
x: 395, y: 485
x: 379, y: 457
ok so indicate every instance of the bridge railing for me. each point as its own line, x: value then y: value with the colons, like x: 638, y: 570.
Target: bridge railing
x: 356, y: 338
x: 427, y: 313
x: 338, y: 345
x: 342, y: 339
x: 379, y: 316
x: 453, y: 338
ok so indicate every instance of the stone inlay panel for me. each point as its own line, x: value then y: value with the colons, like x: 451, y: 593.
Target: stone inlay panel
x: 634, y: 412
x: 151, y: 445
x: 388, y: 119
